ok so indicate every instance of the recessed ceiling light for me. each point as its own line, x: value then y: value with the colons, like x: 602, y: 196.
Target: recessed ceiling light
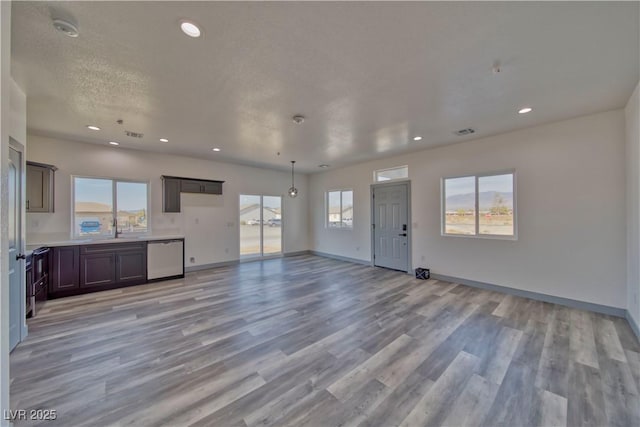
x: 298, y: 118
x: 417, y: 138
x: 190, y: 29
x: 323, y: 166
x: 216, y: 149
x: 164, y: 140
x: 92, y: 127
x: 114, y: 143
x: 525, y: 110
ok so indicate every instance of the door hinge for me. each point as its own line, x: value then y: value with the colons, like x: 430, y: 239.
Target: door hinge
x: 374, y: 226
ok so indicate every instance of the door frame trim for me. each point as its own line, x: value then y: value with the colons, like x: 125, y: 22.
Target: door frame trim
x: 20, y: 147
x: 392, y: 183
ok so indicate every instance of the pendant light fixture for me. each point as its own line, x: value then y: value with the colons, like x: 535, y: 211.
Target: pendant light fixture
x: 293, y: 191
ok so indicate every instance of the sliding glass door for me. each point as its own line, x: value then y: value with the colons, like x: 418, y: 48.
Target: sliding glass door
x: 271, y: 225
x: 260, y: 225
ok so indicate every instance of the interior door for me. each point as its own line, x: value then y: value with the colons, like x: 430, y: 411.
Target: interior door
x: 16, y: 266
x: 390, y: 226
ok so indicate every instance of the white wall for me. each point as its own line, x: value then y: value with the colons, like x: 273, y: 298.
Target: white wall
x: 209, y: 222
x: 571, y: 216
x: 18, y: 114
x: 632, y: 115
x: 5, y: 87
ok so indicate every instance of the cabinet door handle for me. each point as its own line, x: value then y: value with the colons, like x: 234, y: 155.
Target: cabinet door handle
x: 20, y: 256
x: 27, y: 204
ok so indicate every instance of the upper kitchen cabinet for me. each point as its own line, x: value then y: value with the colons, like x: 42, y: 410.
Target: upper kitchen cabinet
x: 172, y: 186
x: 170, y: 194
x: 201, y: 186
x: 40, y: 187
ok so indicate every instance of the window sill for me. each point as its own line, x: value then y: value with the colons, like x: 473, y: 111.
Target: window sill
x: 482, y: 236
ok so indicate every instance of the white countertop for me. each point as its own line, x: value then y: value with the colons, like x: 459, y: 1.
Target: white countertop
x: 35, y: 245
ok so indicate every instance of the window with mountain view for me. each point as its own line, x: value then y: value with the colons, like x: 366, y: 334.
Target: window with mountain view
x: 100, y: 206
x: 479, y: 205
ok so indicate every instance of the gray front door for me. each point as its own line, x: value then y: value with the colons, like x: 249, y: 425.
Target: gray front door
x: 16, y: 267
x: 390, y: 226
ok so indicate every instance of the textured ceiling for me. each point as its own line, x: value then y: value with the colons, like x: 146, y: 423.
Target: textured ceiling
x: 368, y: 76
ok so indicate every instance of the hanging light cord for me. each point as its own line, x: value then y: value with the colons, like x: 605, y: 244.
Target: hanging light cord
x: 293, y: 191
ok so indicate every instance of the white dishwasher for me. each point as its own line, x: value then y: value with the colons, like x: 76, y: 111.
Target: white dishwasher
x: 165, y: 258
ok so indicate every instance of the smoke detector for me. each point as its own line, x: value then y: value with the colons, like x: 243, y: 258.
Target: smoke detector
x: 66, y: 27
x: 298, y: 118
x: 463, y: 132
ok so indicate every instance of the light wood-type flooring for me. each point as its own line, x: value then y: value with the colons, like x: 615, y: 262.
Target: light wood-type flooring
x: 311, y: 341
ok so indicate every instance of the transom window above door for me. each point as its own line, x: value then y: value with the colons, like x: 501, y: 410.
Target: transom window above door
x: 390, y: 174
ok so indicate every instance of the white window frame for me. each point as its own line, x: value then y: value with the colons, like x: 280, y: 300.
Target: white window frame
x: 477, y: 176
x: 114, y: 195
x: 326, y: 210
x: 378, y: 171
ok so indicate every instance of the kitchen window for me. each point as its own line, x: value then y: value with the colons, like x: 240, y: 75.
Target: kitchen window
x: 339, y: 209
x: 480, y: 205
x: 102, y: 206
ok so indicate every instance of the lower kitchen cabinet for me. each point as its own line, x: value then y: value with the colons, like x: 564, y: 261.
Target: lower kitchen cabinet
x: 113, y: 264
x: 90, y: 268
x: 131, y: 266
x: 65, y: 270
x: 97, y: 269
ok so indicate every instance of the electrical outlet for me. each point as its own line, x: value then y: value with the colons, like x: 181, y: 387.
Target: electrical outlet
x: 197, y: 220
x: 226, y: 250
x: 357, y: 248
x: 192, y: 260
x: 423, y: 258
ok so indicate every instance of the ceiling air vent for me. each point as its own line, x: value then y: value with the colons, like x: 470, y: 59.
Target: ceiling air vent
x: 463, y: 132
x: 133, y: 134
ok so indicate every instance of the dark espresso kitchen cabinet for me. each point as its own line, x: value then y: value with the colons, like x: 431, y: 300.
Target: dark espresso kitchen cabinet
x: 191, y: 186
x: 200, y: 186
x: 89, y: 268
x: 170, y: 194
x: 172, y: 186
x: 131, y: 265
x: 97, y: 269
x: 113, y: 264
x: 40, y: 187
x: 65, y: 270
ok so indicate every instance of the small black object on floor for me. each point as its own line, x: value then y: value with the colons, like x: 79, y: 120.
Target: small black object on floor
x: 422, y: 273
